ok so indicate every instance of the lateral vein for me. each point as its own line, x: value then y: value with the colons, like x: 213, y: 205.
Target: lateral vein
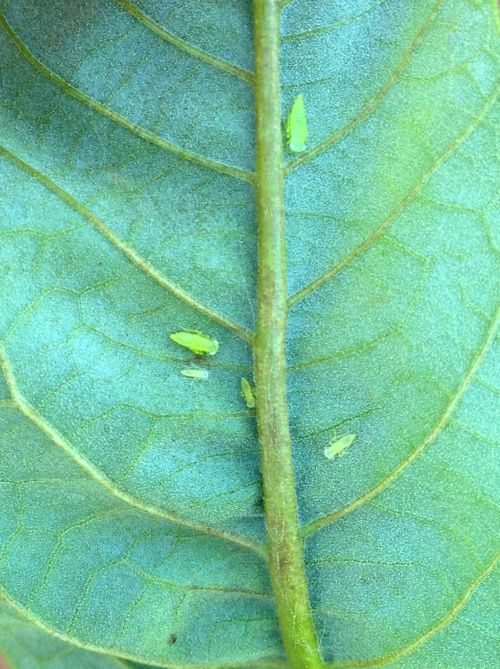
x: 126, y: 250
x: 319, y: 523
x: 181, y: 44
x: 117, y: 118
x: 32, y: 414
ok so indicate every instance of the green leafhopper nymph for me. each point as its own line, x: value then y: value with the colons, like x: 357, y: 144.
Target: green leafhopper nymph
x: 199, y: 374
x: 338, y: 447
x: 296, y: 126
x: 196, y: 341
x: 247, y: 393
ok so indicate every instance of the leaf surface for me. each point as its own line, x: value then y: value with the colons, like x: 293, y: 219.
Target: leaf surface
x: 131, y: 496
x: 26, y: 647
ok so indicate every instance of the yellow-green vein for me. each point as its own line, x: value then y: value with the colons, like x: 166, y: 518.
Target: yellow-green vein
x: 286, y: 557
x: 117, y: 653
x: 401, y: 206
x: 32, y: 414
x: 427, y: 634
x: 101, y: 108
x: 341, y: 133
x: 194, y: 51
x: 438, y: 427
x: 121, y: 246
x: 348, y: 20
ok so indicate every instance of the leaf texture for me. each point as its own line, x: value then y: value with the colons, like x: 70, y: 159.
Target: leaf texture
x: 130, y: 497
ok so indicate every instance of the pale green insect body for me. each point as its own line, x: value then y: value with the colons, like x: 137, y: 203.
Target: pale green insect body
x: 338, y: 447
x: 197, y: 374
x: 196, y: 341
x: 296, y: 126
x: 247, y: 393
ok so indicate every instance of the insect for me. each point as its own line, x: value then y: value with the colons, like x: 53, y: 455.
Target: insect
x: 296, y: 126
x: 199, y: 374
x: 247, y: 393
x: 196, y: 341
x: 338, y: 447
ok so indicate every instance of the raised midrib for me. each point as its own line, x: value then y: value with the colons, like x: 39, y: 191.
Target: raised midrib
x: 286, y: 562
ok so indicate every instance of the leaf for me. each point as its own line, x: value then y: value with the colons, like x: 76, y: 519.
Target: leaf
x: 131, y: 499
x: 28, y: 648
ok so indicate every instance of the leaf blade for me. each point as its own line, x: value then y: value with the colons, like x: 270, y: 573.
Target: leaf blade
x: 391, y: 230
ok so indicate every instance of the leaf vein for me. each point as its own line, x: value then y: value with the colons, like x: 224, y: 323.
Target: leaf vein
x: 367, y: 243
x: 120, y: 656
x: 181, y: 44
x: 120, y: 120
x: 341, y: 133
x: 457, y: 395
x: 128, y: 252
x: 27, y: 410
x: 427, y: 634
x: 349, y: 20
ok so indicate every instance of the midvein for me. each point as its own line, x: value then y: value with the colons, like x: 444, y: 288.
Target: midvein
x: 280, y: 502
x: 127, y: 251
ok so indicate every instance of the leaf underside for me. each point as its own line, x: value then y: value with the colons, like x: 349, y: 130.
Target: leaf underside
x: 131, y: 518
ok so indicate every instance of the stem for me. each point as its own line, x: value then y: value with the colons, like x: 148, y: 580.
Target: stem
x: 280, y: 501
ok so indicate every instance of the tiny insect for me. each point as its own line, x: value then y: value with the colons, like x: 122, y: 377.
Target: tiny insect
x: 296, y: 126
x: 196, y: 341
x: 200, y: 374
x: 338, y: 447
x: 247, y: 393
